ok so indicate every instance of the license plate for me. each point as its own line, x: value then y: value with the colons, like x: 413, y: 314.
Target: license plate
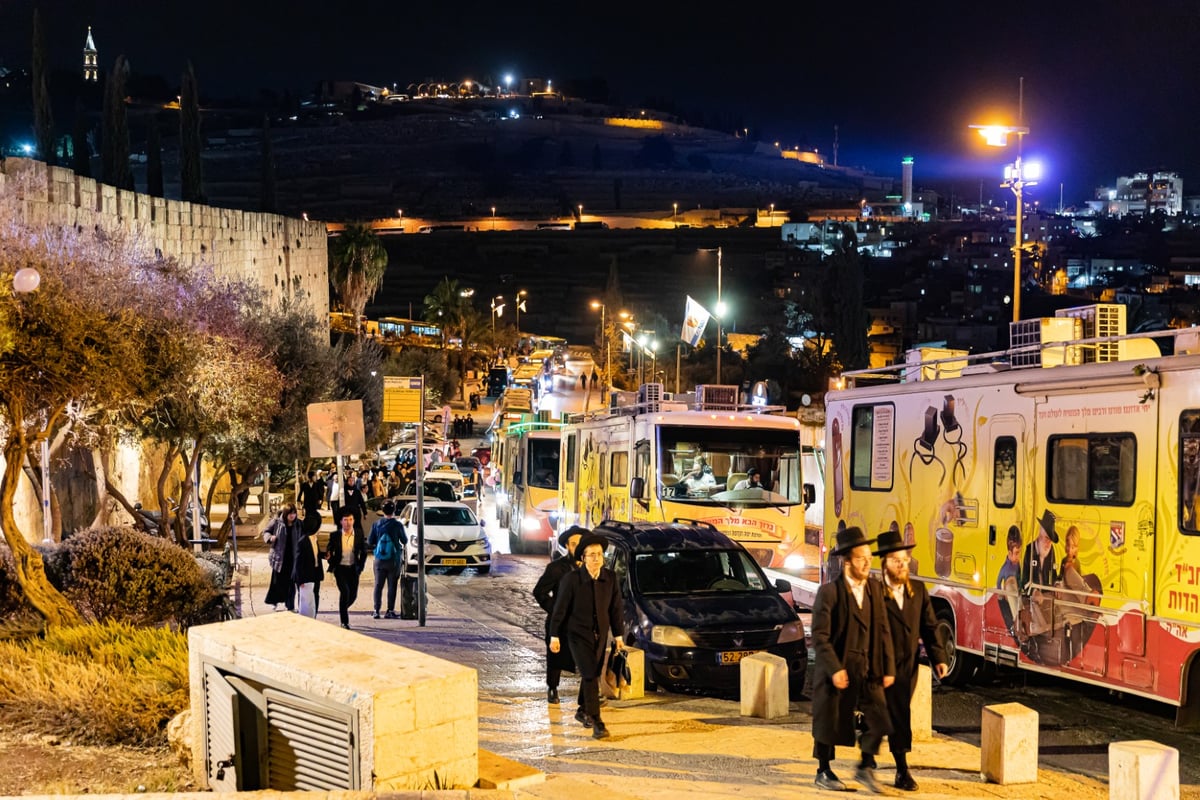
x: 454, y: 562
x: 734, y: 656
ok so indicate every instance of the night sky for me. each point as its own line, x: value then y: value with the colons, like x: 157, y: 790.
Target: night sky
x: 1109, y: 84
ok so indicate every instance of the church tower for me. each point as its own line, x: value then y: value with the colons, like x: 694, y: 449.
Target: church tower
x: 91, y: 72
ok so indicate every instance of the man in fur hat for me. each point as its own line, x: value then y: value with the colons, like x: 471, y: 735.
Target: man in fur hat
x: 854, y: 663
x: 544, y: 591
x: 911, y: 619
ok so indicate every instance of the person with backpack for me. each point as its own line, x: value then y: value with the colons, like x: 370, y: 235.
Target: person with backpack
x: 386, y: 543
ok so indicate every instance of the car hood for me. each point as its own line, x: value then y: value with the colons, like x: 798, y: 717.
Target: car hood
x: 444, y: 533
x: 720, y: 610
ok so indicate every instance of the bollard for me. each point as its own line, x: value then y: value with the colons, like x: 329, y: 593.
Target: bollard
x: 1142, y: 770
x: 764, y: 685
x: 922, y: 705
x: 1009, y: 745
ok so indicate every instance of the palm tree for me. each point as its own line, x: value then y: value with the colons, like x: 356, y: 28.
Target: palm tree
x: 357, y: 262
x: 446, y: 308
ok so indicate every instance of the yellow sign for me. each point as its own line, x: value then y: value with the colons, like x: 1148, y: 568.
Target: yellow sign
x: 402, y: 399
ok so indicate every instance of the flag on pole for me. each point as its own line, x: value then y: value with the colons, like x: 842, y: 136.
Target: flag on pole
x: 695, y: 319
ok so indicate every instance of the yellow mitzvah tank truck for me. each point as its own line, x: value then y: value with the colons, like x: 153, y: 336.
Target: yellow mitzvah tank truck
x: 1051, y: 491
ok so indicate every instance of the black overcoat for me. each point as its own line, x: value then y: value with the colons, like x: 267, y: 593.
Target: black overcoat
x: 306, y: 562
x: 589, y: 610
x: 544, y: 591
x: 915, y: 623
x: 837, y: 622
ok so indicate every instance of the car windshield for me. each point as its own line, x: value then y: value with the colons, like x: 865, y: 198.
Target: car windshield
x: 696, y: 571
x: 722, y: 466
x: 437, y: 515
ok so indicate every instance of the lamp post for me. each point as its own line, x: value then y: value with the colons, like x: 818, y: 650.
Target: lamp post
x: 653, y: 360
x: 641, y: 341
x: 581, y: 212
x: 400, y: 218
x: 675, y: 214
x: 493, y: 218
x: 497, y: 310
x: 520, y: 306
x: 720, y: 309
x: 607, y: 340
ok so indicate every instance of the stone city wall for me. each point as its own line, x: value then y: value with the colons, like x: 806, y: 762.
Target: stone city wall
x: 286, y: 256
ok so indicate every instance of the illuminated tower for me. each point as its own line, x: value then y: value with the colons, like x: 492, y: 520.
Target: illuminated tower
x: 906, y: 181
x: 91, y: 72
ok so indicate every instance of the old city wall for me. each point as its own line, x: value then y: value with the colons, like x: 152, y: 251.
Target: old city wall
x: 286, y: 256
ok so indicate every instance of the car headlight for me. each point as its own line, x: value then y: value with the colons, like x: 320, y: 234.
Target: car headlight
x: 531, y: 523
x: 671, y: 636
x: 794, y: 562
x: 791, y: 632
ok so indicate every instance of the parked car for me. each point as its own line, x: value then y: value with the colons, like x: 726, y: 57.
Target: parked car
x: 436, y: 490
x: 454, y: 537
x: 472, y: 472
x: 696, y: 603
x: 484, y: 454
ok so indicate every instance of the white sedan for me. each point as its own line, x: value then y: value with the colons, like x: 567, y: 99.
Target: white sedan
x: 454, y: 537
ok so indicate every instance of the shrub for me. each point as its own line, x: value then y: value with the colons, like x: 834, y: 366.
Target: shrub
x: 10, y: 590
x: 106, y: 683
x: 124, y: 575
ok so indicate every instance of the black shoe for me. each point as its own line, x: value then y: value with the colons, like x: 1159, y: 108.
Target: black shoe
x: 375, y: 615
x: 584, y: 719
x: 827, y: 780
x: 866, y: 776
x: 390, y: 615
x: 346, y: 625
x: 600, y: 731
x: 905, y: 782
x: 552, y: 695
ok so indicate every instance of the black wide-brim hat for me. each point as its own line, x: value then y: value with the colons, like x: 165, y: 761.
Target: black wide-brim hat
x: 566, y: 535
x: 590, y: 538
x: 1047, y: 523
x: 849, y: 539
x: 890, y: 542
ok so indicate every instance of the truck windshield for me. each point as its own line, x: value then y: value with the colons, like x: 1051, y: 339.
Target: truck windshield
x: 543, y: 463
x: 723, y: 466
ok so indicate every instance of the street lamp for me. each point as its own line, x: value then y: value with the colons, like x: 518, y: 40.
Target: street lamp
x: 607, y: 340
x: 520, y: 306
x: 508, y: 84
x: 497, y: 310
x: 641, y: 340
x: 581, y: 212
x: 400, y: 218
x: 493, y: 218
x: 772, y: 215
x: 675, y: 215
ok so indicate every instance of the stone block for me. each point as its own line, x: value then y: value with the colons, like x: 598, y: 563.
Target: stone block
x: 498, y: 772
x: 922, y: 705
x: 1009, y: 744
x: 764, y: 679
x: 1142, y: 770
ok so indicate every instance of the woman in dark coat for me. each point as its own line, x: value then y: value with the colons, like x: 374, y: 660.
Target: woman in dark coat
x: 589, y: 604
x: 347, y: 555
x: 281, y: 535
x: 307, y: 572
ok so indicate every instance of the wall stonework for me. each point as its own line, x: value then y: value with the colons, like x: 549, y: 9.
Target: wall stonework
x: 286, y: 256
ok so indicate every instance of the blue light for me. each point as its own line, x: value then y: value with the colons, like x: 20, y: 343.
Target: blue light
x: 27, y: 148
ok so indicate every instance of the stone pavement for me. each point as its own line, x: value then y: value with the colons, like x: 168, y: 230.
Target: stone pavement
x: 663, y: 746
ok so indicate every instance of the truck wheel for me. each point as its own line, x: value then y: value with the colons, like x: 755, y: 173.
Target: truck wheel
x: 962, y: 665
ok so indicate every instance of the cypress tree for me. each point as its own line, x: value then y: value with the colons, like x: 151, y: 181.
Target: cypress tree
x: 154, y: 171
x: 81, y: 150
x: 43, y: 114
x: 268, y: 168
x: 114, y: 147
x: 191, y: 177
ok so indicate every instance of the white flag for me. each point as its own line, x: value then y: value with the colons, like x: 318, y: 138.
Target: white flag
x: 695, y: 319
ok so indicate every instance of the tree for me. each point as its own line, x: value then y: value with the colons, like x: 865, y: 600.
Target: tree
x: 445, y: 307
x: 154, y: 171
x: 114, y: 145
x: 268, y: 168
x: 191, y: 173
x: 81, y: 149
x: 43, y: 113
x: 851, y: 320
x: 357, y: 263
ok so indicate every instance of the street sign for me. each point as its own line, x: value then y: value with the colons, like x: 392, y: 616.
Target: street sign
x: 402, y: 400
x: 335, y: 429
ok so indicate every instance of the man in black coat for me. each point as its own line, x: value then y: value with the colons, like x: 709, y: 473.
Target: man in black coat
x: 911, y: 618
x: 589, y: 604
x: 544, y: 592
x: 854, y: 663
x: 312, y: 495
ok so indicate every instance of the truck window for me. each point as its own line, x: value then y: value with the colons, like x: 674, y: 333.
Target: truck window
x: 1189, y: 472
x: 872, y: 441
x: 570, y: 476
x: 619, y: 472
x: 1004, y: 471
x: 1095, y: 468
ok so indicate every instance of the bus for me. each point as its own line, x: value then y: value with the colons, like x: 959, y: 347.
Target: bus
x: 1052, y: 492
x: 396, y: 330
x: 650, y: 458
x: 526, y: 451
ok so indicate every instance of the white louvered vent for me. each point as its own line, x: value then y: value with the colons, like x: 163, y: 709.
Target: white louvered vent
x: 309, y: 746
x: 650, y: 396
x: 712, y: 397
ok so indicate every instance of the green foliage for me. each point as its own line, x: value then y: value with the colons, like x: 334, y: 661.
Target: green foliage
x: 10, y: 590
x: 191, y: 173
x: 114, y: 150
x: 122, y: 575
x: 43, y: 113
x: 131, y: 681
x: 357, y: 262
x: 851, y: 320
x: 154, y: 173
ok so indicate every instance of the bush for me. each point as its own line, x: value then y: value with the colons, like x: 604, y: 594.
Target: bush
x: 10, y: 590
x: 123, y: 575
x: 103, y: 684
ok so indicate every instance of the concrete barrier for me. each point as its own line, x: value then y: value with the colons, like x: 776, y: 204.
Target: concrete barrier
x: 1009, y: 744
x: 764, y: 686
x: 1142, y: 770
x: 922, y: 705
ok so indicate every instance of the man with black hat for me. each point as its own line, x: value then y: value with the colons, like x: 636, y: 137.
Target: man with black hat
x: 545, y: 591
x: 1038, y: 568
x: 388, y: 557
x: 911, y: 619
x: 589, y: 604
x: 752, y: 480
x: 854, y: 663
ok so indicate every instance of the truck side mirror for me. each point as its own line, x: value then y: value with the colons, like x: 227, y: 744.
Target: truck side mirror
x: 637, y: 488
x: 810, y: 494
x: 518, y: 478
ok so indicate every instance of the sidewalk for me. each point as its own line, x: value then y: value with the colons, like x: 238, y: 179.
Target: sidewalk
x: 663, y: 746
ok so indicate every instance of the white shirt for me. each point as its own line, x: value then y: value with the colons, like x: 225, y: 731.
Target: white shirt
x: 898, y: 594
x: 857, y: 588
